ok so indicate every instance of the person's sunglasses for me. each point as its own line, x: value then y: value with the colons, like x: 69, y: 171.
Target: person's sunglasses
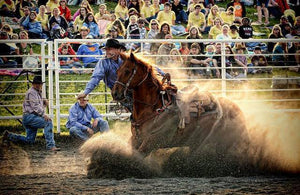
x: 153, y: 24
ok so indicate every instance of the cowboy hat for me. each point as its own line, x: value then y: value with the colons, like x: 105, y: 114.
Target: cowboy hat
x: 37, y: 80
x: 81, y: 92
x: 114, y: 43
x: 84, y: 28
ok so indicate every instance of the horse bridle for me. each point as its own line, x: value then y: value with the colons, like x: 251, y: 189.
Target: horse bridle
x: 126, y: 86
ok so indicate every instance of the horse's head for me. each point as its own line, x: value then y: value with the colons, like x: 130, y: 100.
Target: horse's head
x: 130, y: 75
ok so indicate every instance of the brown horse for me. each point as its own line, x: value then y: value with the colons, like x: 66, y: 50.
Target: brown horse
x: 155, y: 122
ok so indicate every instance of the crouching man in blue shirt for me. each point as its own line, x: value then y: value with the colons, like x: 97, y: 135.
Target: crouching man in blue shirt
x: 80, y: 117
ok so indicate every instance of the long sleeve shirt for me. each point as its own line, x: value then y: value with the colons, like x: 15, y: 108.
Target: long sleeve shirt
x: 33, y: 103
x: 81, y: 117
x: 34, y: 26
x: 106, y: 70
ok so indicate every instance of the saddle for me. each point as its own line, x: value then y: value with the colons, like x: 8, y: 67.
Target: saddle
x: 191, y: 102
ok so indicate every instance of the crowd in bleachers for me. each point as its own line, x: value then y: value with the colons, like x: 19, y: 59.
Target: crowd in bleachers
x: 156, y: 19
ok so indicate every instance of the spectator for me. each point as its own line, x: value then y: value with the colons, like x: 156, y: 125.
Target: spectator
x: 191, y: 6
x: 258, y: 60
x: 34, y: 117
x: 58, y: 19
x: 241, y: 57
x: 167, y: 15
x: 26, y: 12
x: 80, y: 117
x: 176, y: 61
x: 196, y: 18
x: 239, y: 10
x: 44, y: 19
x: 154, y: 30
x: 234, y: 32
x: 6, y: 50
x: 142, y: 29
x: 91, y: 24
x: 131, y: 12
x: 133, y: 32
x: 195, y: 34
x: 51, y: 4
x: 215, y: 29
x: 294, y: 60
x: 232, y: 62
x: 24, y: 48
x: 33, y: 27
x: 78, y: 22
x: 275, y: 34
x: 164, y: 30
x: 7, y: 8
x: 197, y: 60
x: 278, y: 7
x: 148, y: 11
x: 217, y: 55
x: 103, y: 23
x: 85, y: 4
x: 164, y: 49
x: 89, y: 49
x: 65, y: 10
x: 262, y: 5
x: 66, y: 62
x: 156, y: 6
x: 213, y: 14
x: 181, y: 16
x: 102, y: 11
x: 228, y: 16
x: 279, y: 57
x: 83, y: 33
x: 210, y: 52
x: 296, y: 27
x: 274, y: 9
x: 113, y: 33
x: 283, y: 22
x: 121, y: 10
x: 225, y: 34
x: 184, y: 51
x: 136, y: 4
x: 246, y: 30
x: 7, y: 28
x: 119, y: 26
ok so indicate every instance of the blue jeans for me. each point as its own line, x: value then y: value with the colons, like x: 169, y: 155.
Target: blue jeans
x: 102, y: 126
x: 177, y: 29
x: 182, y: 16
x: 31, y: 124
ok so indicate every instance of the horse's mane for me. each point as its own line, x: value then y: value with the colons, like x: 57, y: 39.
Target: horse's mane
x: 144, y: 64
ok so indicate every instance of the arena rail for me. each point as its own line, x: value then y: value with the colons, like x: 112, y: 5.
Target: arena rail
x: 54, y: 73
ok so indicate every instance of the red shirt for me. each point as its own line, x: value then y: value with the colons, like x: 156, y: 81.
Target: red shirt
x: 66, y: 13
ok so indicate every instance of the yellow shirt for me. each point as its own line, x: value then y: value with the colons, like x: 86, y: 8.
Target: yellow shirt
x: 211, y: 18
x: 10, y: 7
x: 227, y: 19
x: 169, y: 17
x: 98, y: 16
x: 196, y: 20
x: 44, y: 21
x: 52, y: 5
x: 147, y: 12
x: 156, y: 9
x: 121, y: 12
x: 235, y: 35
x: 214, y: 31
x: 78, y: 23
